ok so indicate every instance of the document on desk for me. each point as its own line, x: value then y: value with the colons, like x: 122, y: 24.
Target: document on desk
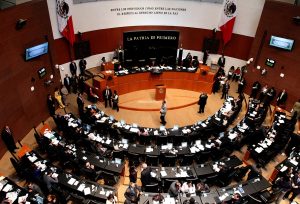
x: 259, y: 149
x: 87, y: 191
x: 284, y: 168
x: 7, y: 188
x: 22, y: 199
x: 163, y: 173
x: 294, y: 162
x: 108, y: 141
x: 71, y: 181
x: 153, y: 174
x: 54, y: 175
x: 81, y: 187
x: 149, y: 149
x: 12, y: 196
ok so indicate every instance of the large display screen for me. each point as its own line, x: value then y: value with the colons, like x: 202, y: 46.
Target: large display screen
x: 36, y: 51
x: 149, y: 45
x: 283, y: 43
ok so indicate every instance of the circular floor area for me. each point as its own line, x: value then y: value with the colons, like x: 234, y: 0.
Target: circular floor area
x: 145, y: 100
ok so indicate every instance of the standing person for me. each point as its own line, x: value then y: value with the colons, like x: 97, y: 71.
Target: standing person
x: 296, y: 110
x: 202, y: 102
x: 221, y: 61
x: 107, y: 93
x: 225, y: 90
x: 51, y: 105
x: 8, y: 139
x: 82, y: 66
x: 282, y: 97
x: 255, y: 87
x: 205, y: 56
x: 58, y: 98
x: 241, y: 85
x: 230, y: 72
x: 115, y: 100
x: 145, y: 175
x: 174, y: 189
x: 74, y: 83
x: 81, y: 83
x: 64, y: 92
x: 132, y: 193
x: 263, y: 93
x: 80, y: 104
x: 236, y: 74
x: 67, y: 82
x: 295, y: 187
x: 132, y: 174
x: 270, y: 95
x: 163, y: 112
x: 73, y: 68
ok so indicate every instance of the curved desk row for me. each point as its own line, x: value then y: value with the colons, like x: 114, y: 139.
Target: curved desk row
x: 193, y: 81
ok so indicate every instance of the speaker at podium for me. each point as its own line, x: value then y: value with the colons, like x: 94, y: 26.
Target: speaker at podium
x: 160, y: 92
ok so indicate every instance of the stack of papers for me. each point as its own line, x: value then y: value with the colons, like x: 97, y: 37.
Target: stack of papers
x: 259, y: 149
x: 163, y: 173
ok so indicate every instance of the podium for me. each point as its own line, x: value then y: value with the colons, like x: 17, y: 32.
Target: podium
x: 160, y: 92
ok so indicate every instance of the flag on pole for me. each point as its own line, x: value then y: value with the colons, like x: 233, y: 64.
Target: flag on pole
x: 227, y: 19
x: 65, y: 22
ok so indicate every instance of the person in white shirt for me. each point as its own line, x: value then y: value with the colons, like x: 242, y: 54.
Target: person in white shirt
x: 163, y: 112
x: 111, y: 199
x: 188, y: 188
x: 115, y: 100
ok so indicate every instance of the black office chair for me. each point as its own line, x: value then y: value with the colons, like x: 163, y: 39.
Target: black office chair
x: 152, y: 188
x: 134, y: 159
x: 166, y: 184
x: 152, y: 160
x: 211, y: 180
x: 118, y: 154
x: 203, y: 157
x: 188, y: 159
x: 145, y: 140
x: 109, y: 178
x: 169, y: 160
x: 161, y: 140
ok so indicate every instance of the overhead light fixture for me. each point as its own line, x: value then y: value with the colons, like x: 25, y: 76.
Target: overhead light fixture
x: 258, y: 67
x: 281, y: 75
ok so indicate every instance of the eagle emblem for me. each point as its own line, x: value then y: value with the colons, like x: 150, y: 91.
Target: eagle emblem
x: 229, y: 8
x: 62, y: 9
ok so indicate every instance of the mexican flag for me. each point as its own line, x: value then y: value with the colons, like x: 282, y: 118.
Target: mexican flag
x: 227, y: 19
x: 64, y: 19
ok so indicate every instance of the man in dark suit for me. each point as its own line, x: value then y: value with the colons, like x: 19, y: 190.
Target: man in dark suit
x: 174, y: 189
x: 73, y: 68
x: 225, y: 90
x: 241, y: 85
x: 282, y: 97
x: 132, y: 193
x: 221, y: 61
x: 82, y: 66
x: 67, y: 82
x: 271, y: 93
x: 255, y: 87
x: 80, y: 104
x: 51, y: 105
x: 205, y: 57
x: 8, y: 139
x: 145, y: 175
x: 202, y: 102
x: 107, y: 93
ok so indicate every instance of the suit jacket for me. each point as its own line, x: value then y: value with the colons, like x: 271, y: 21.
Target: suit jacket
x: 67, y: 81
x: 80, y: 103
x: 146, y: 176
x: 173, y: 192
x: 221, y: 61
x: 8, y: 140
x: 105, y: 95
x: 203, y: 99
x: 73, y: 67
x: 282, y: 98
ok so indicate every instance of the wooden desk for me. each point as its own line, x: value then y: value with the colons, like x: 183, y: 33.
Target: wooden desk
x: 141, y: 81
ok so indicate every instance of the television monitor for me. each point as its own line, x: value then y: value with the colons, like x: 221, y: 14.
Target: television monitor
x: 270, y: 62
x: 42, y: 72
x: 36, y: 51
x: 283, y: 43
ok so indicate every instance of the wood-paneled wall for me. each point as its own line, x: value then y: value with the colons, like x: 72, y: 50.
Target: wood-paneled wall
x: 277, y: 20
x: 107, y: 40
x: 20, y: 108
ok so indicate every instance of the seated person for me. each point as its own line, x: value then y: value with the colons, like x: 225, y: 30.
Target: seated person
x: 188, y: 188
x: 174, y: 189
x: 202, y: 187
x: 235, y: 199
x: 190, y: 201
x: 100, y: 149
x: 143, y: 132
x: 92, y: 96
x: 111, y: 199
x: 49, y: 180
x: 132, y: 193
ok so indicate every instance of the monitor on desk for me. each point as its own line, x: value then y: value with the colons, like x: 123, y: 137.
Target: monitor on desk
x: 184, y: 144
x: 118, y: 161
x: 125, y: 141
